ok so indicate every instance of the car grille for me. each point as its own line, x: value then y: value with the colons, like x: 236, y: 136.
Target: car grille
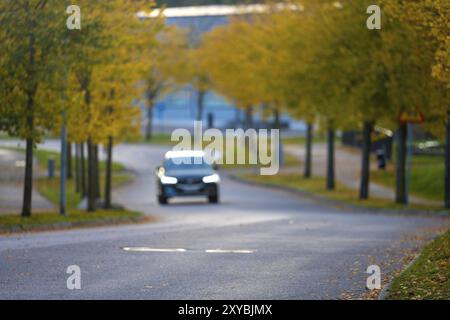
x: 190, y: 180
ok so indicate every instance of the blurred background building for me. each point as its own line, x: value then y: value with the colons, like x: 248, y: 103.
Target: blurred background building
x: 179, y: 109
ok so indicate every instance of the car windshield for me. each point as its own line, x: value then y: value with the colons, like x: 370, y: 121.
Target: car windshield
x: 186, y: 163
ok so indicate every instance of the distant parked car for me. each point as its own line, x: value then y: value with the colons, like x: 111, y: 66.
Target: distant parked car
x: 187, y: 173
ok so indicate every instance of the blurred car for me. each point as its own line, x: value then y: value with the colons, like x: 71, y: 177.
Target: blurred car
x: 186, y: 173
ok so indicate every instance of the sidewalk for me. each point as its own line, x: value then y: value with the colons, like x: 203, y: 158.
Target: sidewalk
x: 11, y: 184
x: 348, y: 169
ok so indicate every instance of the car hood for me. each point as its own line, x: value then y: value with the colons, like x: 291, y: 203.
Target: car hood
x: 189, y: 173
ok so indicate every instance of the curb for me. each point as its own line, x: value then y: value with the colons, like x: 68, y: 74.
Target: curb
x: 336, y: 204
x: 72, y: 225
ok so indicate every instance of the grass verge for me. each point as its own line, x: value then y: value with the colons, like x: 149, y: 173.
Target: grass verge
x: 49, y: 188
x: 157, y: 138
x: 426, y: 177
x: 165, y: 139
x: 342, y: 193
x: 428, y: 278
x: 75, y: 218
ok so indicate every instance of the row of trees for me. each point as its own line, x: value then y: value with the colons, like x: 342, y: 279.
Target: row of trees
x: 319, y: 61
x: 85, y: 79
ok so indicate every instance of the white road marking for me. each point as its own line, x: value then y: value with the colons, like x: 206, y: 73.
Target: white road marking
x: 228, y: 251
x: 147, y: 249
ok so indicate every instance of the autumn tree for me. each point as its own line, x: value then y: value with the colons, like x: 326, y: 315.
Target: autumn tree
x: 31, y: 71
x: 115, y: 50
x: 411, y: 64
x: 161, y: 68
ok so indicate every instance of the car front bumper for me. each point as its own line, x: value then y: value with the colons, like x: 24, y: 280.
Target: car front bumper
x: 180, y: 190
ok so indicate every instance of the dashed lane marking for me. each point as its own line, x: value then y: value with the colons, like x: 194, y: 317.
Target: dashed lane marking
x: 147, y: 249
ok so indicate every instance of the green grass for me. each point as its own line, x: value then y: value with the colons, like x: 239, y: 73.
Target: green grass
x: 428, y: 277
x: 43, y: 156
x: 50, y: 188
x: 289, y: 160
x: 316, y: 186
x: 4, y: 136
x: 427, y: 177
x: 301, y: 140
x: 164, y: 139
x: 44, y: 220
x: 157, y: 138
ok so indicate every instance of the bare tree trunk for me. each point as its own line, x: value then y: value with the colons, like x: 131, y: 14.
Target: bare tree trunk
x: 107, y: 204
x: 77, y: 168
x: 308, y: 154
x: 149, y: 128
x: 331, y: 184
x: 237, y: 117
x: 91, y: 178
x: 28, y: 183
x: 447, y: 162
x: 96, y: 173
x: 365, y: 165
x: 276, y: 119
x: 83, y: 188
x: 200, y: 102
x: 69, y: 172
x: 400, y: 193
x: 248, y: 118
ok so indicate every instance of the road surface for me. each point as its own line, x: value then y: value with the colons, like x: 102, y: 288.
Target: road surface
x: 288, y: 247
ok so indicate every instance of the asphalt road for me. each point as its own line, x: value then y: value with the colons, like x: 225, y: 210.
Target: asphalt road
x: 291, y: 247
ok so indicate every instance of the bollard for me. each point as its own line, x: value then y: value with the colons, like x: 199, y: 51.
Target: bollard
x: 51, y: 168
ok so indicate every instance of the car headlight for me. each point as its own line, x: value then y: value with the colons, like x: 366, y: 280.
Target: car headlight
x: 168, y: 180
x: 214, y: 178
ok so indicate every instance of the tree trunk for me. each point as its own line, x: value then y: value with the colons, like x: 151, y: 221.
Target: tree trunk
x: 237, y: 117
x: 447, y: 162
x: 400, y: 192
x: 107, y: 204
x: 365, y: 165
x: 83, y: 188
x: 330, y: 160
x: 28, y: 183
x: 96, y: 173
x: 200, y: 102
x: 149, y: 129
x: 91, y: 177
x: 69, y: 171
x: 276, y: 119
x: 77, y: 168
x: 308, y: 155
x: 248, y: 118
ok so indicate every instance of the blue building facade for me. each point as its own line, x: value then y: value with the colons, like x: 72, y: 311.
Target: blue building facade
x: 179, y: 109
